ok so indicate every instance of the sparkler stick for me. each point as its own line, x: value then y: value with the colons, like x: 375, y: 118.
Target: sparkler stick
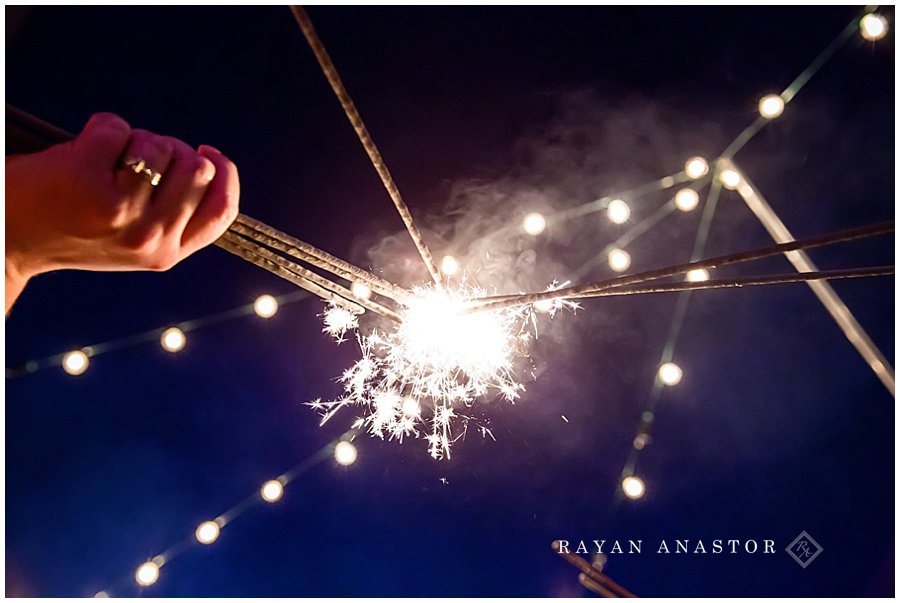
x: 595, y: 587
x: 752, y: 281
x: 246, y: 254
x: 359, y: 127
x: 587, y: 290
x: 592, y: 573
x: 265, y: 234
x: 311, y: 278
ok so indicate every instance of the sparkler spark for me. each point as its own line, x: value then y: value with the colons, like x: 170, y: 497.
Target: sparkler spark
x: 417, y: 380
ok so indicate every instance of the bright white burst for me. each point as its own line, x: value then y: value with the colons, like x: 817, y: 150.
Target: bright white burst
x: 338, y: 321
x: 417, y: 380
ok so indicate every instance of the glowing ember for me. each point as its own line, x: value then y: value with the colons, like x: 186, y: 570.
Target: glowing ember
x: 338, y: 321
x: 416, y: 380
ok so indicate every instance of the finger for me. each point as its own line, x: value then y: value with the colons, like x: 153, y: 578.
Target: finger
x: 144, y: 151
x: 181, y: 189
x: 219, y: 206
x: 102, y: 140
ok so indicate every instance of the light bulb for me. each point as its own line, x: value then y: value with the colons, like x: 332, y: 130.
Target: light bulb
x: 345, y: 453
x: 633, y: 487
x: 618, y: 211
x: 670, y: 374
x: 75, y: 362
x: 449, y: 265
x: 619, y: 260
x: 696, y: 167
x: 534, y: 224
x: 697, y: 275
x: 873, y: 27
x: 207, y: 532
x: 361, y: 291
x: 687, y: 199
x: 771, y: 106
x: 730, y: 179
x: 265, y: 306
x: 173, y: 340
x: 147, y: 574
x: 272, y: 491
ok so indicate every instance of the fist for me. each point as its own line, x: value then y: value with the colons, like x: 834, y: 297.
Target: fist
x: 77, y: 205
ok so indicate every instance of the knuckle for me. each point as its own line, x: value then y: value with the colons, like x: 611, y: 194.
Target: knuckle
x: 110, y: 121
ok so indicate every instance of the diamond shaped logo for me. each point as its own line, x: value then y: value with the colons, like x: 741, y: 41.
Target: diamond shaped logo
x: 804, y: 549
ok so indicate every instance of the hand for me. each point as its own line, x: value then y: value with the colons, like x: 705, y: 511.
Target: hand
x: 75, y: 206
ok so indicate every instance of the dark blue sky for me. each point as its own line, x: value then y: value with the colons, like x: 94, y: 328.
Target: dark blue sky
x: 778, y: 426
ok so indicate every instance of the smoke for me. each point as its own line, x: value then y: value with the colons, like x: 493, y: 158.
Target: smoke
x: 588, y: 148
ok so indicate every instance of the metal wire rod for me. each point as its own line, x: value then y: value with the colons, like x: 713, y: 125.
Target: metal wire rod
x: 365, y: 138
x: 586, y: 290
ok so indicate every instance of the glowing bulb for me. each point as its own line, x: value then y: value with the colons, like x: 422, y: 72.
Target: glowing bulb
x: 173, y: 340
x: 75, y: 362
x: 698, y: 275
x: 619, y: 260
x: 411, y: 407
x: 730, y: 179
x: 449, y: 265
x: 633, y: 487
x: 696, y: 167
x: 618, y: 211
x: 687, y: 199
x: 265, y: 306
x: 361, y: 291
x: 873, y: 27
x: 272, y: 491
x: 345, y: 453
x: 771, y: 106
x: 147, y: 574
x: 207, y: 532
x: 670, y: 374
x: 534, y: 224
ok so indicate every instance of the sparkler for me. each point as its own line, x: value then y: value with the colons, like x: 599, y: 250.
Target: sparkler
x: 419, y: 379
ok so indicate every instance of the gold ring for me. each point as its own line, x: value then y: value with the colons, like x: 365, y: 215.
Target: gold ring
x: 139, y: 166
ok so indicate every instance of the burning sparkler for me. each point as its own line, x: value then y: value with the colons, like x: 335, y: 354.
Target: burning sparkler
x: 420, y: 378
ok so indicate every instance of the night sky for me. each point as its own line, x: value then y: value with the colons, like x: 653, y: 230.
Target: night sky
x: 482, y: 114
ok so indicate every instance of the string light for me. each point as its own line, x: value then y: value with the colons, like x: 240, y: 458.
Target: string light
x: 272, y: 491
x: 265, y: 306
x: 619, y: 260
x: 147, y: 574
x: 696, y: 167
x: 534, y: 224
x: 771, y: 106
x: 633, y: 487
x: 618, y: 211
x: 873, y: 27
x: 730, y: 179
x: 687, y: 199
x: 345, y: 453
x: 361, y: 290
x: 173, y: 340
x: 207, y: 532
x: 449, y: 265
x: 670, y: 374
x: 698, y: 275
x: 75, y: 362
